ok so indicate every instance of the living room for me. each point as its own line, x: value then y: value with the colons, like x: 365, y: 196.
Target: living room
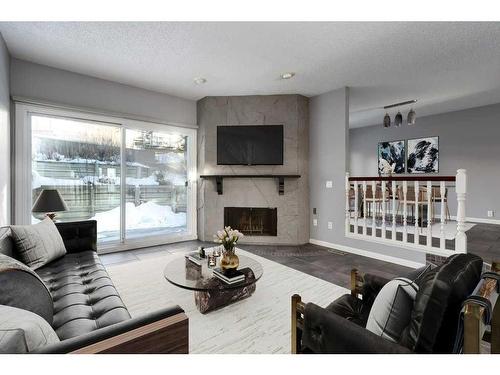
x: 249, y: 187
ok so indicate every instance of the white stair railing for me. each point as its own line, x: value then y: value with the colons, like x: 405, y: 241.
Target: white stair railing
x: 389, y: 200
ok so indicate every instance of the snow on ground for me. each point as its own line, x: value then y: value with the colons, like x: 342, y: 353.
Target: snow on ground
x: 37, y: 181
x: 144, y: 216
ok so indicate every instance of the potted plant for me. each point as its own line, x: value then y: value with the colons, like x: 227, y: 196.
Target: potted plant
x: 228, y: 238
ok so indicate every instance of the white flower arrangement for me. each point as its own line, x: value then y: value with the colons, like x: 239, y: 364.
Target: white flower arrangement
x: 228, y: 238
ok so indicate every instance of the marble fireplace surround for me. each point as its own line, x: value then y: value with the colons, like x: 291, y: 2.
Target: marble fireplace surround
x: 291, y: 111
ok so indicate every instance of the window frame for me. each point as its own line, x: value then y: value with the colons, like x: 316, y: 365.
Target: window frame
x: 22, y: 161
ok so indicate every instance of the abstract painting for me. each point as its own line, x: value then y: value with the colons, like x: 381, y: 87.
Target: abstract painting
x: 423, y: 155
x: 391, y: 157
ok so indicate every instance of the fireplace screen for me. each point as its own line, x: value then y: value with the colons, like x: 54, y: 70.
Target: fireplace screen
x: 252, y: 221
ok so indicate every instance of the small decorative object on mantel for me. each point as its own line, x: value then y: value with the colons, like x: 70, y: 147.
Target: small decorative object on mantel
x: 228, y: 238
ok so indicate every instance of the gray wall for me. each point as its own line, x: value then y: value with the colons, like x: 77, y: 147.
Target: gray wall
x: 468, y: 139
x: 329, y: 160
x: 328, y: 116
x: 64, y: 87
x: 4, y: 135
x: 292, y: 112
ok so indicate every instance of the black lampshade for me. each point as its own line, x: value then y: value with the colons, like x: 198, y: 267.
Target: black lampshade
x: 398, y: 120
x: 387, y: 121
x: 49, y: 200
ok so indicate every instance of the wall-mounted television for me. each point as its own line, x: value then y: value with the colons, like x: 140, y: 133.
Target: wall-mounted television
x: 250, y: 145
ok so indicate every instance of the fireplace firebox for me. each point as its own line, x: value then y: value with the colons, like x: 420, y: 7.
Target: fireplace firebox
x: 252, y: 221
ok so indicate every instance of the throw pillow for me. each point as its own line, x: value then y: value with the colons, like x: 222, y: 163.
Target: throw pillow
x: 22, y: 331
x: 21, y: 287
x: 391, y: 310
x: 39, y: 244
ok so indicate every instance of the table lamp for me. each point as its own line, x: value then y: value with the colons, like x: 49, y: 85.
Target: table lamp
x: 49, y: 202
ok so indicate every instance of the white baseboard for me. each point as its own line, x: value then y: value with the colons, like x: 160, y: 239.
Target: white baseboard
x: 369, y: 254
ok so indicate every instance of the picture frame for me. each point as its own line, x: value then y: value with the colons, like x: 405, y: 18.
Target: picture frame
x: 422, y: 155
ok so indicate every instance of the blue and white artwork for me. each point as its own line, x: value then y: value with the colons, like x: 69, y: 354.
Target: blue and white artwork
x: 391, y: 157
x: 423, y: 155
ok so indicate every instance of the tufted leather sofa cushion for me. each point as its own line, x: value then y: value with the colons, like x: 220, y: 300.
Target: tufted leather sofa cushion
x: 78, y: 235
x: 84, y: 297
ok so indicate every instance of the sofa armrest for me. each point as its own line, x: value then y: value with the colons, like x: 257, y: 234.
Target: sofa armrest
x: 160, y: 332
x: 79, y: 235
x: 326, y: 332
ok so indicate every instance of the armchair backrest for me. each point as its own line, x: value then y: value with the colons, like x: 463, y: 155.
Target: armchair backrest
x: 435, y: 316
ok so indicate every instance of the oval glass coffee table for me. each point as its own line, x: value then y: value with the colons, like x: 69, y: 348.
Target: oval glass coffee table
x: 211, y: 293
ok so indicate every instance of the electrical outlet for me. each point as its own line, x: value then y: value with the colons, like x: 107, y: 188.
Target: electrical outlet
x: 329, y: 184
x: 330, y: 225
x: 315, y: 222
x: 491, y: 214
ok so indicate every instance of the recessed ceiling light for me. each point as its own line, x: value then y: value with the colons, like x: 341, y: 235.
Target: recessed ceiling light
x: 287, y: 75
x: 200, y: 80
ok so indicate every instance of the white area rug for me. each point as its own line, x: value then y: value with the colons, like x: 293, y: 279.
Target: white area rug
x: 259, y: 324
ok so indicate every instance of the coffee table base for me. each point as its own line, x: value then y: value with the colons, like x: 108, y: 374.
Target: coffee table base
x: 207, y: 301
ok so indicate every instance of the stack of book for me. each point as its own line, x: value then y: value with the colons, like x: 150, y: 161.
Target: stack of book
x: 235, y: 277
x: 195, y: 258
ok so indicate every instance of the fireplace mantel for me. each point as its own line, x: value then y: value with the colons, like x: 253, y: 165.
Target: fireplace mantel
x: 219, y: 178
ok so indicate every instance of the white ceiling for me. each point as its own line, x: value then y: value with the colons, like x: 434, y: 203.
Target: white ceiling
x: 446, y: 66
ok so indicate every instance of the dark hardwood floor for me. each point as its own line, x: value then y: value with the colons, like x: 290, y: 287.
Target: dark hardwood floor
x: 484, y: 240
x: 327, y: 264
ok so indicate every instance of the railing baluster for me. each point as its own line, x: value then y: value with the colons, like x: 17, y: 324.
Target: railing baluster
x: 429, y: 214
x: 442, y: 238
x: 416, y: 237
x: 425, y: 194
x: 383, y: 210
x: 405, y: 212
x: 364, y: 208
x: 374, y: 216
x: 393, y: 211
x: 356, y: 203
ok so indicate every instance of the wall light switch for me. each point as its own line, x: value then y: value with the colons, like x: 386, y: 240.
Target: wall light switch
x: 329, y: 184
x: 330, y: 225
x: 315, y: 222
x: 314, y: 211
x: 491, y: 214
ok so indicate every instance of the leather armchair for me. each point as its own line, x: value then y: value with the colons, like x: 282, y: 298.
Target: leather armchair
x: 340, y: 327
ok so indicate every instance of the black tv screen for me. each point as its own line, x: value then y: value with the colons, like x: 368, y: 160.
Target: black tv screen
x: 250, y: 145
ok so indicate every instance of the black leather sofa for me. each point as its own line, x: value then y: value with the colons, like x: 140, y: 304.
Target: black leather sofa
x: 84, y: 307
x: 437, y: 319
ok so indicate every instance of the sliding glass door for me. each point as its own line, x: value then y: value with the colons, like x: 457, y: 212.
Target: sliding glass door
x: 135, y: 178
x: 82, y: 161
x: 156, y: 183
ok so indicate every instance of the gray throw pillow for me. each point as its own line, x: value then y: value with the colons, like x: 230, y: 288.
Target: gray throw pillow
x: 391, y: 310
x: 22, y: 331
x: 21, y: 287
x: 39, y: 244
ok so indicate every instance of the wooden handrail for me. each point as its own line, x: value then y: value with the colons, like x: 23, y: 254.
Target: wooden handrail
x: 405, y: 178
